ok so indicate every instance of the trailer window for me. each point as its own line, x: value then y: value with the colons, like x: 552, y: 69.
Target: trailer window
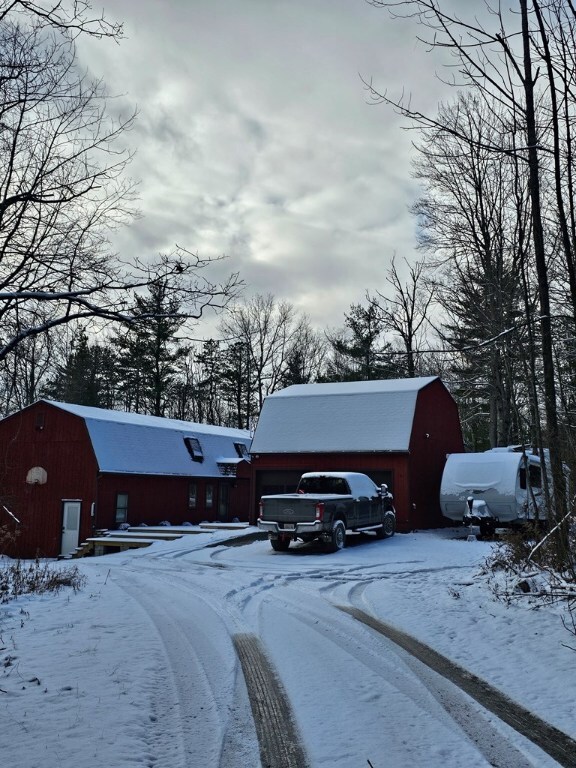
x: 534, y: 476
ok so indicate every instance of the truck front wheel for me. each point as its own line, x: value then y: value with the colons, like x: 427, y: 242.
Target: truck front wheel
x: 388, y: 527
x: 280, y: 544
x: 338, y: 537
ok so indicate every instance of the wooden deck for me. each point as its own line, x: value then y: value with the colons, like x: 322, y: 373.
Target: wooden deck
x: 224, y: 526
x: 121, y: 540
x: 137, y: 536
x: 169, y: 529
x: 145, y: 534
x: 102, y: 543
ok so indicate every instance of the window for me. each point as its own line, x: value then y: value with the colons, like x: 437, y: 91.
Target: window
x: 194, y: 448
x: 192, y: 495
x: 209, y: 497
x: 534, y: 474
x: 324, y: 484
x: 121, y: 507
x: 241, y: 450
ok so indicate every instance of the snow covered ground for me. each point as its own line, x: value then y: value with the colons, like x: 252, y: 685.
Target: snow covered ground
x: 140, y: 667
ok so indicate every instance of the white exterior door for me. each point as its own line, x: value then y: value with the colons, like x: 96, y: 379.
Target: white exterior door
x: 70, y: 526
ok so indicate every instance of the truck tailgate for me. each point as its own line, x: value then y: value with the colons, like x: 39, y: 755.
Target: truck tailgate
x: 288, y: 508
x: 296, y: 507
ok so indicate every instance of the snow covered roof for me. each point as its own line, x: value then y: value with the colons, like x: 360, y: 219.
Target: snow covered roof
x: 134, y: 443
x: 496, y: 470
x: 354, y: 416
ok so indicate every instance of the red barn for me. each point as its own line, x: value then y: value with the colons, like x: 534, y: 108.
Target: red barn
x: 66, y: 470
x: 397, y: 431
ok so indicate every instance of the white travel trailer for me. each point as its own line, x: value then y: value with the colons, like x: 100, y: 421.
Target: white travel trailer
x: 501, y: 487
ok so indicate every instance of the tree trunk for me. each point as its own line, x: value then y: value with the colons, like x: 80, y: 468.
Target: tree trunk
x: 552, y: 431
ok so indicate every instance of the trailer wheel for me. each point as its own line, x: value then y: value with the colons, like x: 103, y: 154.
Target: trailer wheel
x: 487, y: 528
x: 280, y: 544
x: 338, y: 537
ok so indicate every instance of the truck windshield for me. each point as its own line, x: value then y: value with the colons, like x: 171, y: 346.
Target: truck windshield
x: 323, y: 484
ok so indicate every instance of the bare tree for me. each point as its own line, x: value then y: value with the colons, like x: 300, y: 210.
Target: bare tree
x: 270, y: 331
x: 24, y: 373
x: 404, y: 310
x: 500, y: 60
x: 473, y: 217
x: 63, y: 189
x: 306, y: 357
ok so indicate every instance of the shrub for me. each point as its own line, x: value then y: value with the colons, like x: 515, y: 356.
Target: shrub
x: 19, y: 577
x: 34, y: 577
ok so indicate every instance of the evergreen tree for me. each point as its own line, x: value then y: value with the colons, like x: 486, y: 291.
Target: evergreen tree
x: 208, y: 384
x: 238, y: 385
x: 358, y: 352
x: 82, y: 379
x: 149, y: 353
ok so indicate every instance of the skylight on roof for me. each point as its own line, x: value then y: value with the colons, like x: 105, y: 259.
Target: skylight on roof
x: 241, y: 450
x: 194, y: 448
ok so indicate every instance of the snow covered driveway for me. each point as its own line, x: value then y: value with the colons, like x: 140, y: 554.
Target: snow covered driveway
x: 188, y: 656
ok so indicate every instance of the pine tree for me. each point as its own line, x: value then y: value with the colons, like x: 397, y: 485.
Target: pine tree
x: 358, y: 352
x: 149, y: 353
x: 82, y: 378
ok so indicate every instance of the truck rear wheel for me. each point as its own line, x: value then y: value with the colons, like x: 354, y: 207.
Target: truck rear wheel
x: 338, y: 538
x: 280, y: 544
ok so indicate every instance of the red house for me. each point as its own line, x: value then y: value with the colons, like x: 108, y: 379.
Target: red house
x: 397, y: 431
x: 67, y: 470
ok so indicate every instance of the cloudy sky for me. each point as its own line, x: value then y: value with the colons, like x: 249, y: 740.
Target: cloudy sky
x: 255, y: 139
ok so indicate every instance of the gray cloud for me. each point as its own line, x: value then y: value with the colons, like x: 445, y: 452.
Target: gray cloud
x: 255, y: 139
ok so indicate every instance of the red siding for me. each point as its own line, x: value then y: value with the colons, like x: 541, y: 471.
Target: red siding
x: 43, y: 436
x: 436, y: 432
x: 152, y: 500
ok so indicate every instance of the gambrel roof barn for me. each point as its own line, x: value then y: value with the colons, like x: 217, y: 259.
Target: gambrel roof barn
x: 74, y: 467
x: 397, y: 431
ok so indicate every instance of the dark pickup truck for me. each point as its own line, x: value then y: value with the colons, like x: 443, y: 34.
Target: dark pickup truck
x: 325, y: 506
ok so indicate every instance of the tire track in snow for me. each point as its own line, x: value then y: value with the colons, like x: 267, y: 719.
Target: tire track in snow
x: 551, y: 740
x: 490, y: 742
x: 280, y: 745
x: 198, y: 723
x: 244, y: 594
x: 262, y: 695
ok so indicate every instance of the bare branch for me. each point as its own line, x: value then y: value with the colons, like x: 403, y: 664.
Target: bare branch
x: 74, y: 17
